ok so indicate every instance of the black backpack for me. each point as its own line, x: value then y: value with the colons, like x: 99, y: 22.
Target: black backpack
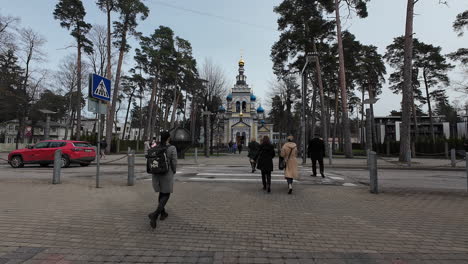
x: 157, y: 161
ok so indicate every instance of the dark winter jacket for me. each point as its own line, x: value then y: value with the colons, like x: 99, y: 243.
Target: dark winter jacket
x: 253, y: 149
x: 266, y: 153
x: 316, y: 148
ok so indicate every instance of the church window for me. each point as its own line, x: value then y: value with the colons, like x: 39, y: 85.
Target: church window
x: 237, y: 107
x: 244, y: 106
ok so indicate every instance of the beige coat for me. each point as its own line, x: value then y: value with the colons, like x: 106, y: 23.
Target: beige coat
x: 291, y: 170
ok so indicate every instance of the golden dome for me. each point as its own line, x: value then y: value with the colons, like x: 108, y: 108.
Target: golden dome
x: 241, y: 62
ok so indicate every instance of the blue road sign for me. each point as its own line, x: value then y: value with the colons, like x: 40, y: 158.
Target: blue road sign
x: 99, y: 87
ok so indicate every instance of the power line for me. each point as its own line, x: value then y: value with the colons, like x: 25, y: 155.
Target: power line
x: 201, y: 13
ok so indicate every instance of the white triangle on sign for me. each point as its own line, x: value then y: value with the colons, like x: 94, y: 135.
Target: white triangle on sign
x: 101, y: 90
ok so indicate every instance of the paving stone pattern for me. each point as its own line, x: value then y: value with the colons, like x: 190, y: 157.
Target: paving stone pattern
x: 228, y: 223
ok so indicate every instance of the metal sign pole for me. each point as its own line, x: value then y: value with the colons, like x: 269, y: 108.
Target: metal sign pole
x: 98, y: 154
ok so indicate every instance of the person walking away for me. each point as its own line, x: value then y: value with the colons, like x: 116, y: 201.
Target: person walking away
x: 289, y: 153
x: 316, y: 153
x: 154, y: 143
x: 239, y: 147
x: 163, y: 181
x: 147, y: 146
x: 253, y: 152
x: 230, y: 146
x: 266, y: 153
x: 234, y: 148
x: 103, y: 146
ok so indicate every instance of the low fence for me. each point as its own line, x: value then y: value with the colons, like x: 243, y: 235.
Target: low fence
x: 5, y: 147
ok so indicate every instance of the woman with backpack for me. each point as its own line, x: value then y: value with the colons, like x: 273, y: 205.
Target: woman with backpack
x: 163, y: 175
x: 289, y: 153
x: 266, y: 153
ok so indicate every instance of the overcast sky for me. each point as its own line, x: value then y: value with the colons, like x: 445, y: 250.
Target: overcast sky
x: 221, y: 29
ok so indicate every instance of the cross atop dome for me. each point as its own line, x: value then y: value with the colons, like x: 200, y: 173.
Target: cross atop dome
x: 241, y: 78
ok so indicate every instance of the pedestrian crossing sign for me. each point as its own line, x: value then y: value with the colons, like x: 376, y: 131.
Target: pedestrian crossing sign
x: 99, y: 87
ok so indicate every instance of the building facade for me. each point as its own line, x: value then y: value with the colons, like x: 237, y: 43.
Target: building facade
x: 243, y: 118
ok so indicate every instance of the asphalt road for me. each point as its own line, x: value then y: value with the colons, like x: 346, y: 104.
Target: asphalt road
x: 413, y: 179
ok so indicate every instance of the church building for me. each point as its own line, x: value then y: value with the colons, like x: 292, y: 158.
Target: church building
x: 244, y: 119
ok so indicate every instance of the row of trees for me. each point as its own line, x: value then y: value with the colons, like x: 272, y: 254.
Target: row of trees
x: 346, y: 68
x: 163, y: 84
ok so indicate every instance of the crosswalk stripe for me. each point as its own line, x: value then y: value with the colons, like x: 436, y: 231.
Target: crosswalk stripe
x: 237, y: 174
x: 231, y: 179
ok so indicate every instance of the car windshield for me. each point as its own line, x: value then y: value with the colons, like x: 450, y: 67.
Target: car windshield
x: 82, y: 144
x: 41, y: 145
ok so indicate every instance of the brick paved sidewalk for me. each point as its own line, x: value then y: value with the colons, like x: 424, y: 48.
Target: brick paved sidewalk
x: 228, y: 223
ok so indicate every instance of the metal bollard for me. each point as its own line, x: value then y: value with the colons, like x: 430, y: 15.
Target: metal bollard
x: 374, y: 186
x: 388, y: 148
x: 453, y: 157
x: 57, y: 166
x: 131, y: 168
x: 196, y: 155
x: 330, y: 154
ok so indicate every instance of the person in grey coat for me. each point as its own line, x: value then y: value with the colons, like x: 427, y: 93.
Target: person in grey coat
x: 164, y: 183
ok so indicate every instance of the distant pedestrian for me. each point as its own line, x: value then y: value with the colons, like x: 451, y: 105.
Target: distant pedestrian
x: 239, y: 147
x: 154, y: 143
x: 266, y: 153
x: 147, y: 146
x: 316, y: 153
x: 163, y: 183
x: 103, y: 146
x: 253, y: 153
x: 234, y: 148
x: 230, y: 146
x: 289, y: 153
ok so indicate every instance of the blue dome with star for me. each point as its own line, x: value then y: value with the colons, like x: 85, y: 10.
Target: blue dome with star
x: 221, y: 109
x: 229, y: 97
x: 260, y: 110
x: 253, y: 98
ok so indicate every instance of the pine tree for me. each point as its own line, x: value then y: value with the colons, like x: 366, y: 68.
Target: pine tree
x: 71, y: 14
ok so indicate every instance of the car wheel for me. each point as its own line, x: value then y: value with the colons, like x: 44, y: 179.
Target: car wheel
x: 17, y: 162
x: 65, y: 162
x: 84, y: 164
x: 44, y: 164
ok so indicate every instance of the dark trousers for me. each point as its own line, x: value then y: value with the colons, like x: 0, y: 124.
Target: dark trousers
x: 314, y: 165
x: 266, y: 178
x: 289, y: 180
x: 253, y: 164
x: 162, y: 201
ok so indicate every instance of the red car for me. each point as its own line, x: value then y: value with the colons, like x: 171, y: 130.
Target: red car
x: 43, y: 153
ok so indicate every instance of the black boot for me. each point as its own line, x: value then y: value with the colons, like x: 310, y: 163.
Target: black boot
x: 153, y: 218
x: 164, y: 215
x: 269, y: 190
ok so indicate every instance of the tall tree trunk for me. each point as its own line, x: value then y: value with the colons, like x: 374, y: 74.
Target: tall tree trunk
x: 361, y: 128
x: 374, y: 129
x: 314, y: 111
x: 109, y: 36
x: 428, y: 98
x: 126, y: 116
x: 405, y: 130
x: 148, y: 129
x: 115, y: 95
x: 174, y: 107
x: 335, y: 123
x: 348, y: 151
x: 323, y: 112
x: 78, y: 84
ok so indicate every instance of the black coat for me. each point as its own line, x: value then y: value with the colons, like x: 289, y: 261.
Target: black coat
x: 253, y: 149
x: 316, y: 148
x: 266, y: 153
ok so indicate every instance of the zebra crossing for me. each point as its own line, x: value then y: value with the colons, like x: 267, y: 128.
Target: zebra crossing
x: 243, y: 174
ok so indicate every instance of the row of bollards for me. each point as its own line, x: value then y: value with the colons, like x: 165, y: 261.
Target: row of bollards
x: 58, y: 163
